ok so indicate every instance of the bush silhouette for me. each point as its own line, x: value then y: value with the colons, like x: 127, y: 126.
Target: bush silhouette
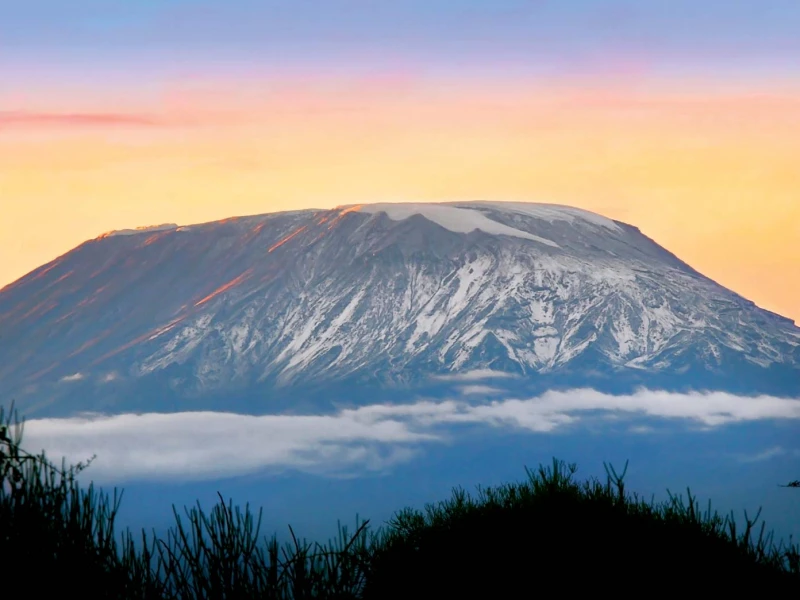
x: 554, y: 533
x: 547, y: 535
x: 49, y: 526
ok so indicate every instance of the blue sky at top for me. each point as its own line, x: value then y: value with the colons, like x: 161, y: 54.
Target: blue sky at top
x: 673, y: 37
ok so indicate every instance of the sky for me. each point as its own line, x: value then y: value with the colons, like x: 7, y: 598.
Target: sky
x: 677, y: 116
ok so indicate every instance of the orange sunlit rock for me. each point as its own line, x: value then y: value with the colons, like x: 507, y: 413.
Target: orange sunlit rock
x: 142, y: 338
x: 45, y: 371
x: 152, y: 239
x: 65, y: 316
x: 44, y: 271
x: 46, y: 305
x: 62, y: 278
x: 93, y: 297
x: 344, y: 212
x: 86, y: 345
x: 287, y: 238
x: 224, y: 288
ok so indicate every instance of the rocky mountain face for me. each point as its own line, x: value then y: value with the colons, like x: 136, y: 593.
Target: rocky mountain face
x: 281, y: 308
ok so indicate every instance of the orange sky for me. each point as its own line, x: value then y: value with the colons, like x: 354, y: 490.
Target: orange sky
x: 713, y: 175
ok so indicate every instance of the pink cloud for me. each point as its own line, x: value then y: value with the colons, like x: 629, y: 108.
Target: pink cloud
x: 48, y: 119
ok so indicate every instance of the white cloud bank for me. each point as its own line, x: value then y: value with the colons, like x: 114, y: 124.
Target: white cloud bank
x: 197, y: 445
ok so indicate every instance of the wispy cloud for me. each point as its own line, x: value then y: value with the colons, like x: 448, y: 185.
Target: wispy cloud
x: 641, y: 429
x: 205, y: 444
x: 476, y: 375
x: 54, y: 119
x: 480, y: 390
x: 767, y: 454
x: 73, y: 377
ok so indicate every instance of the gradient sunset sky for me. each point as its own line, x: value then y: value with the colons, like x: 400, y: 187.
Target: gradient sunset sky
x: 681, y: 117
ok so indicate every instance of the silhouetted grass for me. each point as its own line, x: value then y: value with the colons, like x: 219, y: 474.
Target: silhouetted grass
x: 584, y: 537
x: 49, y: 526
x: 52, y: 533
x: 549, y: 535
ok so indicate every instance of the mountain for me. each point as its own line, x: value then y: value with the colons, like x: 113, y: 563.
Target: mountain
x: 273, y: 311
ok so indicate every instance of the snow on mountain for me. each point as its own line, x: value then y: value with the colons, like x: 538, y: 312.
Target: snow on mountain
x: 452, y: 218
x: 380, y: 295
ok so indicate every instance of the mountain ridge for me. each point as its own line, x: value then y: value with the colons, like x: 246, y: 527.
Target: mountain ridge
x: 380, y: 295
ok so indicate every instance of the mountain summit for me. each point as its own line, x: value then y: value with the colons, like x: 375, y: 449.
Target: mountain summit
x: 387, y: 296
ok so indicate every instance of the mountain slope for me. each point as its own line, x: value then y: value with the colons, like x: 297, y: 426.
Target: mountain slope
x: 382, y: 295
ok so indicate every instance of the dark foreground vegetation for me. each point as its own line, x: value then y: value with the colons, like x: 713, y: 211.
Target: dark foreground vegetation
x: 548, y: 536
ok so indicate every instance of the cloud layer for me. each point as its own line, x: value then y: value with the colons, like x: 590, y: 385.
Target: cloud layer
x: 74, y: 120
x: 199, y: 445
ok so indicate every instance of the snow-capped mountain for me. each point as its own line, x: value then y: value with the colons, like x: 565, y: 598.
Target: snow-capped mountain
x: 387, y: 296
